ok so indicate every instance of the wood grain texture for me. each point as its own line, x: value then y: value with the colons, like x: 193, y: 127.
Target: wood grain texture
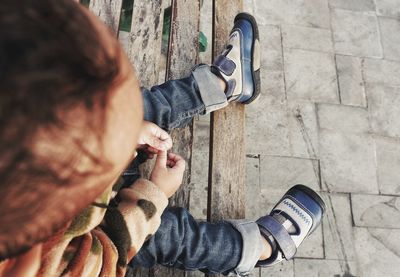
x: 109, y: 11
x: 145, y: 39
x: 183, y: 53
x: 226, y: 187
x: 144, y: 51
x: 182, y: 56
x: 227, y: 149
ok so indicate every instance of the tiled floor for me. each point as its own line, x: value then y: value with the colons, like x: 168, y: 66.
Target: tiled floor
x: 329, y: 117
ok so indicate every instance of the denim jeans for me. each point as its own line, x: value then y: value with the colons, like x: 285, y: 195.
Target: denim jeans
x: 232, y: 246
x: 174, y: 103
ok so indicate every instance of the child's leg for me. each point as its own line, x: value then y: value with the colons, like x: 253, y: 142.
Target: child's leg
x: 184, y: 243
x: 234, y: 76
x: 237, y: 245
x: 174, y: 103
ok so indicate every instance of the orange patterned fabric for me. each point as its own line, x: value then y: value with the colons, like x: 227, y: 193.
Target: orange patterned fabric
x: 98, y: 242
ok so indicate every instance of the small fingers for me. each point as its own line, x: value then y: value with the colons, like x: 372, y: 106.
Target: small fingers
x: 160, y: 139
x: 161, y: 159
x: 174, y: 157
x: 166, y: 140
x: 151, y: 150
x: 170, y: 163
x: 179, y: 162
x: 154, y: 136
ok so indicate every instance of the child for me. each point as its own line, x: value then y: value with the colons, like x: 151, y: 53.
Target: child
x: 71, y: 116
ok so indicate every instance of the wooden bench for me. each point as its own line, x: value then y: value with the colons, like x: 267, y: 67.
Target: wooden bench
x: 227, y: 150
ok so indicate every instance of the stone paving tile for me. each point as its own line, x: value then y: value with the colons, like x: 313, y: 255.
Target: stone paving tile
x: 351, y: 84
x: 307, y: 38
x: 339, y: 154
x: 310, y: 76
x: 268, y: 198
x: 303, y: 129
x: 376, y: 211
x: 267, y: 128
x: 384, y: 109
x: 388, y: 8
x: 355, y: 5
x: 346, y: 119
x: 337, y: 228
x: 248, y: 6
x: 271, y: 46
x: 281, y: 173
x: 356, y: 33
x: 310, y: 13
x: 262, y: 195
x: 313, y: 246
x: 278, y: 127
x: 390, y: 34
x: 284, y: 269
x: 388, y: 162
x: 273, y: 86
x: 324, y: 268
x: 381, y: 71
x: 378, y: 252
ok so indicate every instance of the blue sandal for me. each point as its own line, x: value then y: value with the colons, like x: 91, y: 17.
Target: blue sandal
x: 239, y: 64
x: 294, y: 218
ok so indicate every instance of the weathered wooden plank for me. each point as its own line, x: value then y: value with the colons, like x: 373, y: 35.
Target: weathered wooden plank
x: 144, y: 51
x: 227, y: 150
x: 226, y: 191
x: 109, y: 11
x: 145, y: 46
x: 184, y: 38
x: 182, y: 56
x: 145, y: 40
x: 137, y: 272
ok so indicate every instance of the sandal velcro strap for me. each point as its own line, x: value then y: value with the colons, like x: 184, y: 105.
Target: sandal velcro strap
x: 280, y: 234
x: 225, y: 65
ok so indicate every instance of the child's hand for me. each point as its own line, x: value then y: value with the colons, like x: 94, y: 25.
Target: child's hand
x: 153, y: 139
x: 168, y: 171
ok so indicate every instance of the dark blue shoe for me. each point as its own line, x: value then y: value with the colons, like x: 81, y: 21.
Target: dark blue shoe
x: 239, y: 64
x: 293, y: 219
